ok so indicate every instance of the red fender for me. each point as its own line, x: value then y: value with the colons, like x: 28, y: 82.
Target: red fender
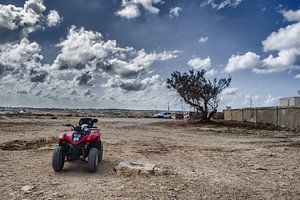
x: 95, y: 135
x: 62, y: 136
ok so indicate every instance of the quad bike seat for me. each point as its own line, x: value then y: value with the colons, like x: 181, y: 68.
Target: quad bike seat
x: 86, y: 124
x: 87, y: 121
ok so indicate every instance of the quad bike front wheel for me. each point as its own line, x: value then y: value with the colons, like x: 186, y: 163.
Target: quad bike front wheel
x: 93, y: 160
x: 58, y: 159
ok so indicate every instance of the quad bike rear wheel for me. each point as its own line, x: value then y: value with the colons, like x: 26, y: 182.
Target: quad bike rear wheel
x: 100, y: 152
x: 58, y: 159
x: 93, y: 160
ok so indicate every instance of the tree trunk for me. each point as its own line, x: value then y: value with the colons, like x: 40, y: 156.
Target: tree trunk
x: 205, y: 113
x: 211, y: 114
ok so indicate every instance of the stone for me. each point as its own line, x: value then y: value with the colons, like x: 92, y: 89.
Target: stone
x: 260, y: 168
x: 161, y: 171
x: 54, y: 183
x: 27, y: 188
x: 130, y: 168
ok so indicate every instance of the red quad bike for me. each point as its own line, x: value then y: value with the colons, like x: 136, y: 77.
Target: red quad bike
x: 82, y: 143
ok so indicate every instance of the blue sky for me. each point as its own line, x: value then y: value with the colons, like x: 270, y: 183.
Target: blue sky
x: 104, y: 54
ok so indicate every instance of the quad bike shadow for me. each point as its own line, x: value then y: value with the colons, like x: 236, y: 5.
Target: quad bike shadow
x: 83, y: 143
x: 76, y: 168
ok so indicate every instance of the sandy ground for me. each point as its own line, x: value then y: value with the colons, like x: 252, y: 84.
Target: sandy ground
x: 205, y: 161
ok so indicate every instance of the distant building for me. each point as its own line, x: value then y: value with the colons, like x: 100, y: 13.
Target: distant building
x: 289, y: 101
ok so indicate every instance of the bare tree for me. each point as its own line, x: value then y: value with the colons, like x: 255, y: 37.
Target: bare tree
x: 197, y: 91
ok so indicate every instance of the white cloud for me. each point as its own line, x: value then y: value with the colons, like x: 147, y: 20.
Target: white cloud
x: 238, y: 62
x: 211, y: 73
x: 85, y: 67
x: 198, y: 63
x: 203, y: 39
x: 129, y: 12
x: 286, y: 59
x: 230, y: 91
x: 22, y: 61
x: 53, y: 18
x: 26, y: 19
x: 241, y: 99
x: 271, y: 100
x: 286, y: 41
x: 134, y: 84
x: 20, y: 21
x: 174, y: 12
x: 297, y: 76
x: 217, y: 4
x: 291, y: 15
x: 85, y: 51
x: 261, y: 100
x: 284, y: 38
x: 131, y: 8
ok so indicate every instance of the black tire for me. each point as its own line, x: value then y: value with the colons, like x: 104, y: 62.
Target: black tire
x: 100, y: 152
x: 58, y: 159
x: 93, y: 160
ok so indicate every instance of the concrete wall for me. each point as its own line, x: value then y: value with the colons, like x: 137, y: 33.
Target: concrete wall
x: 267, y: 115
x: 289, y: 101
x: 284, y: 102
x: 297, y: 101
x: 236, y: 115
x: 227, y: 115
x: 249, y: 115
x: 279, y: 116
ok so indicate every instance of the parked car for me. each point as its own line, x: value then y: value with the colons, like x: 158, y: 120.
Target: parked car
x: 164, y: 115
x: 179, y: 115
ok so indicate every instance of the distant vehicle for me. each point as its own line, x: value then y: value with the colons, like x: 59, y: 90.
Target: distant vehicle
x: 164, y: 115
x: 179, y: 115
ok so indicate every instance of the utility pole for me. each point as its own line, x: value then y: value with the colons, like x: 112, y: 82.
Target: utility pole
x: 168, y: 106
x: 181, y: 104
x: 250, y: 102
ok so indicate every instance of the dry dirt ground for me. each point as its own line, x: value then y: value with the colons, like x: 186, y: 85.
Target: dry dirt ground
x: 204, y: 161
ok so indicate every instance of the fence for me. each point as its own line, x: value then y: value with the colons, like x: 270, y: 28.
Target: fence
x: 279, y: 116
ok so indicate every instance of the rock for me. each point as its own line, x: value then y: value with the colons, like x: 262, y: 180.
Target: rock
x: 54, y: 183
x: 27, y: 188
x: 13, y: 193
x: 260, y: 168
x: 60, y: 195
x: 161, y: 171
x: 128, y: 168
x: 39, y: 193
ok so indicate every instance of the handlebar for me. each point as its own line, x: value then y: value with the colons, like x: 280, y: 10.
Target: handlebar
x: 69, y: 125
